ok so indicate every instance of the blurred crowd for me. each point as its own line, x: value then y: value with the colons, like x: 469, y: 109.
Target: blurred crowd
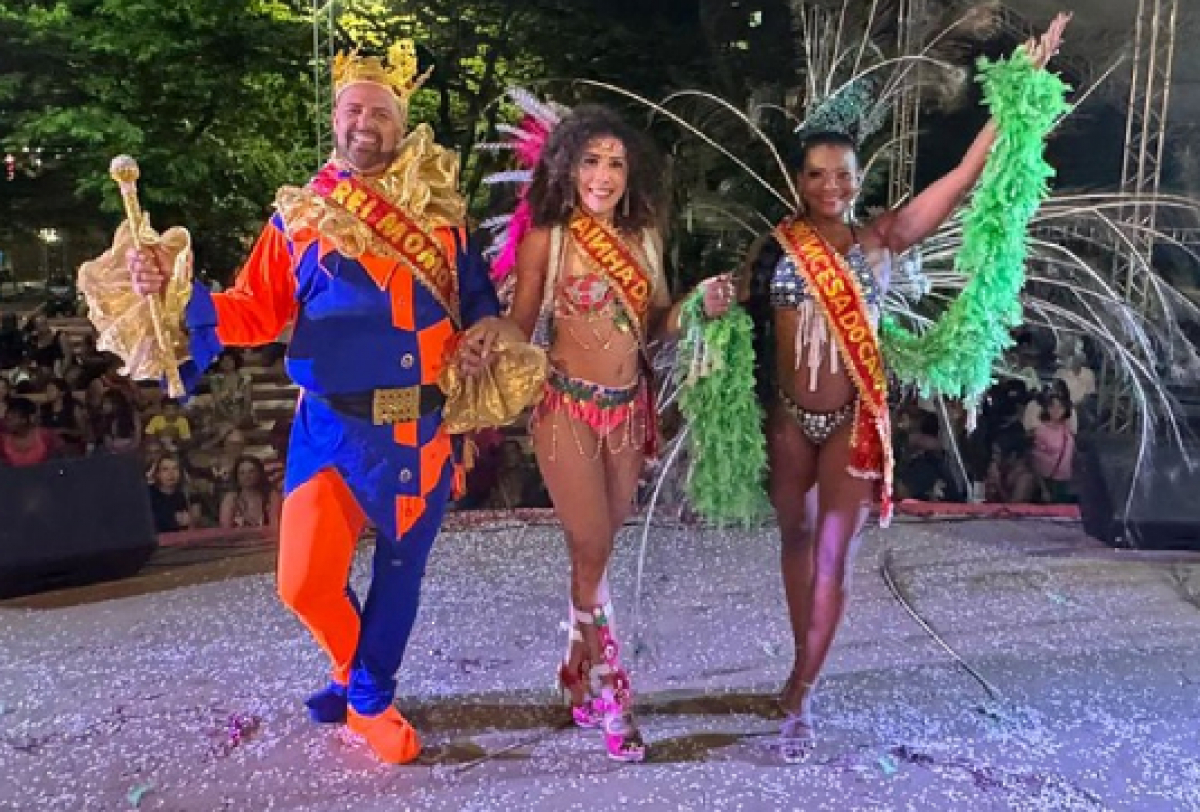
x: 60, y: 398
x: 210, y: 463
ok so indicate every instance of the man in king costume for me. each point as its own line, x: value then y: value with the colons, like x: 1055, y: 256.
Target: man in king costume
x: 370, y: 263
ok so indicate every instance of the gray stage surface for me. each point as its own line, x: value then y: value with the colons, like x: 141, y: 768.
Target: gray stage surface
x: 1078, y: 685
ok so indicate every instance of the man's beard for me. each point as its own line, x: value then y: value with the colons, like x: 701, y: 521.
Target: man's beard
x: 364, y: 157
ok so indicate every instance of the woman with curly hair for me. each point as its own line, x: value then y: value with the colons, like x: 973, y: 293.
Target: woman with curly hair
x: 590, y: 289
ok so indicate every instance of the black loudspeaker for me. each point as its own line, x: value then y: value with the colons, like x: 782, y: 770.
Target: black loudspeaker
x: 1154, y: 504
x: 72, y: 522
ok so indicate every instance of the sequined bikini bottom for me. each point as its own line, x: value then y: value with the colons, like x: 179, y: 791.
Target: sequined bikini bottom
x: 603, y: 408
x: 818, y: 426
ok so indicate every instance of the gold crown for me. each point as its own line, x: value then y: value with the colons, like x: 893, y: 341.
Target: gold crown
x: 401, y: 77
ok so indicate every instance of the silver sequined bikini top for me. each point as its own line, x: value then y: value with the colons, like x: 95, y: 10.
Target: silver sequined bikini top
x: 789, y: 290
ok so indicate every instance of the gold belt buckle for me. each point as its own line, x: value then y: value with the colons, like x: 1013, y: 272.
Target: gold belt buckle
x: 390, y: 406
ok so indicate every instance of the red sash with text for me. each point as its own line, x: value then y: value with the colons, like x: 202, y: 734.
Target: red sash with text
x: 420, y: 250
x: 837, y: 292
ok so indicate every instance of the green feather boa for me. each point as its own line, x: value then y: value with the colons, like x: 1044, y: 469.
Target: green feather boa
x: 955, y: 356
x: 728, y: 456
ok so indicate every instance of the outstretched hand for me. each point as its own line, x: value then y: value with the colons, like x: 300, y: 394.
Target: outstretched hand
x: 1040, y: 49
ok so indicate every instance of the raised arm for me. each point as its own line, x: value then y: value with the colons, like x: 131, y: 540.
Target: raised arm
x: 902, y: 228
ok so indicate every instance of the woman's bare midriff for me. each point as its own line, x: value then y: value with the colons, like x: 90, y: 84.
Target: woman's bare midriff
x: 834, y: 389
x: 616, y: 366
x: 595, y: 351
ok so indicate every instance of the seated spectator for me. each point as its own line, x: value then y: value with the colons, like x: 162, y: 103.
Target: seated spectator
x: 119, y: 428
x: 1002, y: 410
x: 28, y: 377
x: 49, y: 348
x: 171, y: 427
x: 151, y: 397
x: 1037, y: 406
x: 93, y: 397
x: 93, y: 362
x: 76, y: 379
x: 1054, y: 450
x: 114, y: 379
x: 1080, y: 381
x: 24, y: 442
x: 168, y: 498
x: 276, y: 467
x: 63, y: 415
x: 152, y: 451
x: 1010, y: 478
x: 924, y: 473
x: 255, y: 503
x: 232, y: 393
x: 215, y: 473
x: 1079, y: 378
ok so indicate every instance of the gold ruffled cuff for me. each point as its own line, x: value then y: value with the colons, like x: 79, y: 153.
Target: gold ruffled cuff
x: 512, y: 382
x: 122, y: 317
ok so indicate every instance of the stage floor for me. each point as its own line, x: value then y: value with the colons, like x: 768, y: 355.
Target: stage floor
x: 181, y: 689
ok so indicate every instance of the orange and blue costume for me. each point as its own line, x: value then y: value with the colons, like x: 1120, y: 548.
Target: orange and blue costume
x: 365, y: 324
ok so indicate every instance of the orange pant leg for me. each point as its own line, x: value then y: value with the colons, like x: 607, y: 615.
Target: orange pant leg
x: 318, y: 535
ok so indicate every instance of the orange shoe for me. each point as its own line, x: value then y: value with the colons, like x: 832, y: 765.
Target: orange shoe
x: 389, y: 734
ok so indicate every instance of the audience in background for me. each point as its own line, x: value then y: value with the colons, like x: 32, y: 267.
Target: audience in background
x: 1054, y: 449
x: 169, y: 502
x: 65, y: 416
x: 119, y: 429
x: 48, y: 348
x: 232, y: 393
x: 24, y: 442
x: 201, y: 471
x: 254, y: 503
x: 171, y: 427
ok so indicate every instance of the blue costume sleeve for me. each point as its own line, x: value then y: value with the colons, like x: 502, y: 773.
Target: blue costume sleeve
x: 477, y: 295
x: 200, y: 318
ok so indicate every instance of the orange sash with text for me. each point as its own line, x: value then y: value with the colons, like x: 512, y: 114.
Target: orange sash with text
x: 608, y: 255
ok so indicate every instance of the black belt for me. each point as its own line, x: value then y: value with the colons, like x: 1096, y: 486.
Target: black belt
x: 387, y: 406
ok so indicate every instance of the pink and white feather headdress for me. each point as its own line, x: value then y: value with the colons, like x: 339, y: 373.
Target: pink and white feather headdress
x: 526, y: 140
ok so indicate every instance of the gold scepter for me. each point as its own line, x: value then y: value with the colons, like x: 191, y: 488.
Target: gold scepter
x: 124, y: 170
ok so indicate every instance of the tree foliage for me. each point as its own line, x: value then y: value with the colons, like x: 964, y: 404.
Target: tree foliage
x: 215, y: 98
x: 212, y: 97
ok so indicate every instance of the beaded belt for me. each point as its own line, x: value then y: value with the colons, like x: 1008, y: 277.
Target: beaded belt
x: 818, y: 426
x: 383, y: 407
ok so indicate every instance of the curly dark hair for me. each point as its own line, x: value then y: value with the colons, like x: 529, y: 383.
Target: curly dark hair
x: 552, y: 195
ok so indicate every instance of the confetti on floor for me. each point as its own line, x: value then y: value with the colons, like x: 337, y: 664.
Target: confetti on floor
x: 182, y: 689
